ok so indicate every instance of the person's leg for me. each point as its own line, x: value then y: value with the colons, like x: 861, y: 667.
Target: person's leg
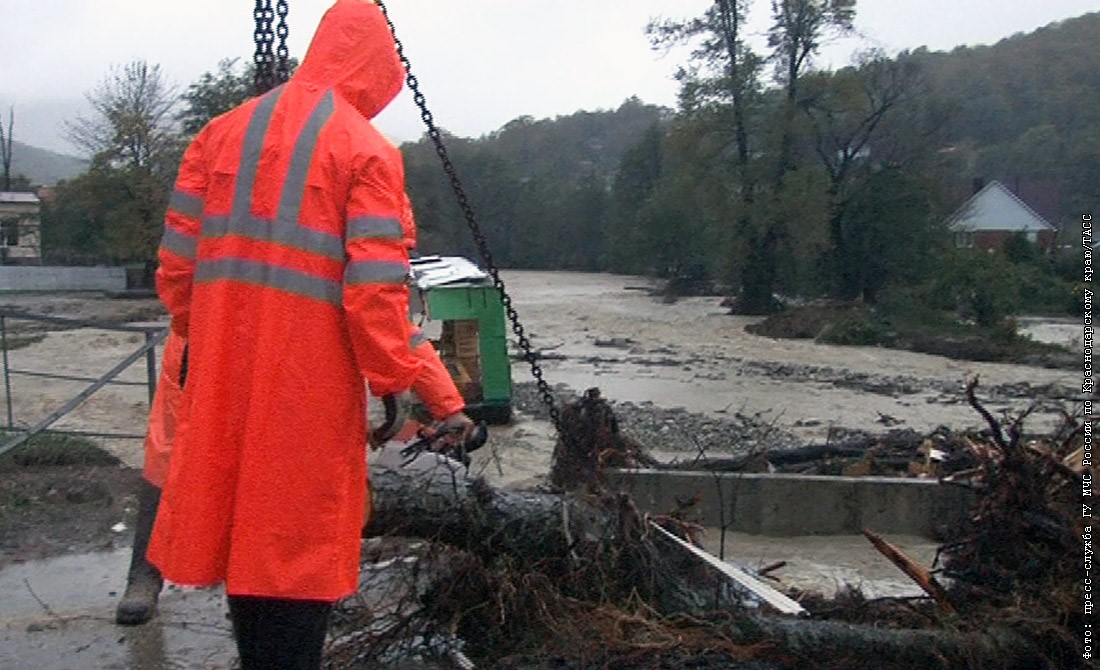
x: 278, y: 634
x: 143, y: 581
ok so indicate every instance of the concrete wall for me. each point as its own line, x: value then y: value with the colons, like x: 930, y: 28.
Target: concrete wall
x: 787, y: 505
x: 58, y: 278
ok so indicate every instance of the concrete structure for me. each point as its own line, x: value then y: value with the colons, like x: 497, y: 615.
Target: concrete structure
x: 20, y: 229
x: 58, y: 278
x: 994, y: 214
x: 788, y: 505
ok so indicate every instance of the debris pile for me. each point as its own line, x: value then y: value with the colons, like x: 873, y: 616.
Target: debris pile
x: 1012, y: 560
x: 577, y: 577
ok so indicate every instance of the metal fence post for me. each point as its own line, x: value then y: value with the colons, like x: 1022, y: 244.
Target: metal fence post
x: 7, y: 375
x: 151, y: 367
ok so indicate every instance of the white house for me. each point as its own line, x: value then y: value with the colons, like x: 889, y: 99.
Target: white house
x: 20, y: 229
x: 993, y: 215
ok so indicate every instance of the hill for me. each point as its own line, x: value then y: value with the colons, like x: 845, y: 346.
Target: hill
x: 43, y: 167
x: 1026, y: 110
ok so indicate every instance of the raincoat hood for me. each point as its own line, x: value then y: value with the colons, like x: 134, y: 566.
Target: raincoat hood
x: 354, y: 53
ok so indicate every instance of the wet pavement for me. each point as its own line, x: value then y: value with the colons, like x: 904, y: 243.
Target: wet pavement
x: 58, y: 614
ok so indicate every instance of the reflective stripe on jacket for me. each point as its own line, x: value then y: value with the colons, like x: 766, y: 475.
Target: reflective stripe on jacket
x: 283, y: 263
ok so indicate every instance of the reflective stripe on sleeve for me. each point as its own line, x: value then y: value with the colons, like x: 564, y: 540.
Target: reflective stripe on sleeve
x: 374, y: 227
x: 271, y: 276
x: 178, y: 243
x: 186, y: 204
x: 375, y: 272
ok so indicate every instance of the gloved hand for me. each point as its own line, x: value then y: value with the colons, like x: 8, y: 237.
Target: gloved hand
x: 458, y: 428
x: 397, y: 412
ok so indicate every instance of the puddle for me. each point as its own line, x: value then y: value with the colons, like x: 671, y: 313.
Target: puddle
x: 58, y: 614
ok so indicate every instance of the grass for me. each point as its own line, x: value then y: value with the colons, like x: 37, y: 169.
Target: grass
x: 50, y: 449
x: 15, y: 341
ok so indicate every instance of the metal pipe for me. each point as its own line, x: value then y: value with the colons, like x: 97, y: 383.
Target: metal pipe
x: 73, y: 378
x: 78, y: 323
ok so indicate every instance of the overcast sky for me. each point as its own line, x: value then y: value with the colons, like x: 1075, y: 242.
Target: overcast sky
x: 481, y: 63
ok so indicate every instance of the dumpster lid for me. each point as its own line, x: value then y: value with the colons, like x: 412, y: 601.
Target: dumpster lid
x: 432, y: 271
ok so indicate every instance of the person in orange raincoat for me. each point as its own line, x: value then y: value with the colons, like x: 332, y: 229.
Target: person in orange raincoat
x: 433, y: 386
x: 283, y: 264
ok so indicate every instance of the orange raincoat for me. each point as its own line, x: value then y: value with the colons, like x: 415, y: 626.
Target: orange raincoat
x: 161, y: 432
x: 283, y: 263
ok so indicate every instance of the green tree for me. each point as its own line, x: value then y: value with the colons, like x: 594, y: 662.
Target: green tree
x: 638, y: 175
x: 891, y: 234
x: 132, y: 142
x: 846, y: 112
x: 720, y: 100
x: 215, y: 93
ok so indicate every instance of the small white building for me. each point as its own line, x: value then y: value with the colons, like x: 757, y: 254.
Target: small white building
x: 994, y: 214
x: 20, y: 229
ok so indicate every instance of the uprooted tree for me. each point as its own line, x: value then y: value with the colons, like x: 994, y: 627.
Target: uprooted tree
x: 582, y: 578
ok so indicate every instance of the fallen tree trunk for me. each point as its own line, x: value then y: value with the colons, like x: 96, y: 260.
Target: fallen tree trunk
x: 583, y: 541
x: 834, y: 644
x: 563, y: 534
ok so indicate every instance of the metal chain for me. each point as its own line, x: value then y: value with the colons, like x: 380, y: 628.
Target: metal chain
x: 471, y: 221
x: 282, y: 55
x: 264, y: 58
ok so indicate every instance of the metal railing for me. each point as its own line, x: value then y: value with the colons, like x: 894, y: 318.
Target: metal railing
x: 17, y: 435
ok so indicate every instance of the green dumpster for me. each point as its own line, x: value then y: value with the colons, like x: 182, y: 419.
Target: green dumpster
x: 461, y: 298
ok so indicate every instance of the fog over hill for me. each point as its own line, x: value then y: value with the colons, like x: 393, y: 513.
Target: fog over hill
x: 42, y: 166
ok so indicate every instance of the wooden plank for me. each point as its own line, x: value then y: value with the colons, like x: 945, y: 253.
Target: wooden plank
x: 918, y: 573
x: 766, y: 593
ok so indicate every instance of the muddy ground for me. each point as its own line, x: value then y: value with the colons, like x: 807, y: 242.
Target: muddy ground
x: 683, y: 378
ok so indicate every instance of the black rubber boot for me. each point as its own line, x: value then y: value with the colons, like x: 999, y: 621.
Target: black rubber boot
x: 143, y: 582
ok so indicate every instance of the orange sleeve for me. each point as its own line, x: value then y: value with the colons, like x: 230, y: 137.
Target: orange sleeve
x: 376, y: 295
x: 434, y: 386
x: 178, y: 246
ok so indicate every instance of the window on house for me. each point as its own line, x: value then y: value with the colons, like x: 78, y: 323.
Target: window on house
x: 9, y: 232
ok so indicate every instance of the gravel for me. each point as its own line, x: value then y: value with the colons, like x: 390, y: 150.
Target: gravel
x: 673, y: 430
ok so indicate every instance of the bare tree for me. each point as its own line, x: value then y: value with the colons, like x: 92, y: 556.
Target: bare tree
x: 6, y: 147
x: 132, y: 141
x: 133, y: 124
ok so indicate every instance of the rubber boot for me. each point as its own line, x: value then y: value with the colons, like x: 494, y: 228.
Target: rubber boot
x: 143, y: 582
